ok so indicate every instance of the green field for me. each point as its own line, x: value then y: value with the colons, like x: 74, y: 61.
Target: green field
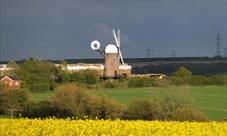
x: 212, y: 100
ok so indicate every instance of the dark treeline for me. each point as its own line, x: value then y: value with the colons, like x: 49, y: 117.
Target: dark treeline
x: 195, y: 68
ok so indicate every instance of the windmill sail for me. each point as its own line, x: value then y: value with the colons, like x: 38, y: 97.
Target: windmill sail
x: 117, y: 40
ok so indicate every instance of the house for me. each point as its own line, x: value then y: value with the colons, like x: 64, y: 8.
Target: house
x: 11, y: 82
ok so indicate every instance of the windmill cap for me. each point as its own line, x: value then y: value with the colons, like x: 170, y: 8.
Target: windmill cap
x: 111, y: 48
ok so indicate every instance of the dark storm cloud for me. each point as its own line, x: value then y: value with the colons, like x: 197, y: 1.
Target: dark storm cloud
x: 64, y: 29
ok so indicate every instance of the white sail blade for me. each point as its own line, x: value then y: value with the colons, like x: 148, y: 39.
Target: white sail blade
x: 118, y: 36
x: 121, y: 57
x: 116, y: 39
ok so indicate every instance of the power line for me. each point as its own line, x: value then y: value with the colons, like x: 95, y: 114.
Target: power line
x: 225, y: 52
x: 218, y: 50
x: 173, y: 53
x: 150, y: 53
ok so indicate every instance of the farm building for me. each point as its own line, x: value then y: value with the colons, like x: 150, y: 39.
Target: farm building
x: 124, y: 70
x: 4, y: 68
x: 11, y: 82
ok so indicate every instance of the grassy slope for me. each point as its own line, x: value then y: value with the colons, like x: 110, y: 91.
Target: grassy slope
x: 212, y: 100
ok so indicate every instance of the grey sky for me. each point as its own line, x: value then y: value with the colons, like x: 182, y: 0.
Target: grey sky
x: 57, y: 29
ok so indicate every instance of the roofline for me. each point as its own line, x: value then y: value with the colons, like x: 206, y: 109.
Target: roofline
x: 8, y: 78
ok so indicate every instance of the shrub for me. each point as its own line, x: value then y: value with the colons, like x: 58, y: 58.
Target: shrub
x: 188, y: 114
x: 199, y: 80
x: 161, y: 82
x: 14, y: 99
x: 218, y: 80
x: 182, y: 72
x: 177, y: 81
x: 109, y: 84
x: 74, y: 99
x: 84, y: 76
x: 144, y: 109
x: 140, y: 82
x: 106, y: 108
x: 44, y: 109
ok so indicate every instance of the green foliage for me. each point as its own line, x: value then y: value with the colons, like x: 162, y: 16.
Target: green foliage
x: 43, y: 109
x: 203, y: 68
x: 74, y: 99
x: 218, y: 80
x: 172, y: 107
x: 188, y: 114
x: 199, y: 80
x: 106, y: 108
x: 144, y: 109
x: 79, y: 103
x: 37, y: 75
x: 111, y: 83
x: 140, y: 82
x: 182, y: 72
x: 89, y: 77
x: 14, y: 99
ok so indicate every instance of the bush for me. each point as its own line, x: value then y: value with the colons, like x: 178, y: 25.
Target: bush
x: 14, y: 99
x: 161, y: 82
x: 177, y: 81
x: 144, y: 109
x: 182, y: 72
x: 109, y: 84
x: 74, y: 99
x: 188, y: 114
x: 78, y: 103
x: 44, y: 109
x: 218, y: 80
x: 140, y: 82
x: 106, y: 108
x: 199, y: 80
x: 89, y: 77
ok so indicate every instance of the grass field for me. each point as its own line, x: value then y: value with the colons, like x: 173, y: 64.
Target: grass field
x: 212, y: 100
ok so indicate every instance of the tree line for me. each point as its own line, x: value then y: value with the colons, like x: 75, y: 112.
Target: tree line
x: 202, y: 69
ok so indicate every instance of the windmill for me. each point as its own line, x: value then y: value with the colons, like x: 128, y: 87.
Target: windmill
x: 96, y: 46
x: 113, y: 57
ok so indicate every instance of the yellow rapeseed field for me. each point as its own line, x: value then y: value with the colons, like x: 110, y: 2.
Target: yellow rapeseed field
x: 67, y: 127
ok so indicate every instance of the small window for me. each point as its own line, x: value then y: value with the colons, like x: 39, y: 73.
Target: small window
x: 10, y: 83
x: 16, y: 83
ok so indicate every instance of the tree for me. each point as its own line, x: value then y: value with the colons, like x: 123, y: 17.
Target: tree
x: 38, y: 75
x: 182, y: 72
x: 14, y: 99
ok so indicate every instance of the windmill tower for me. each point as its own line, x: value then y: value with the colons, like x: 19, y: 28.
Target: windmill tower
x: 111, y: 65
x: 114, y: 65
